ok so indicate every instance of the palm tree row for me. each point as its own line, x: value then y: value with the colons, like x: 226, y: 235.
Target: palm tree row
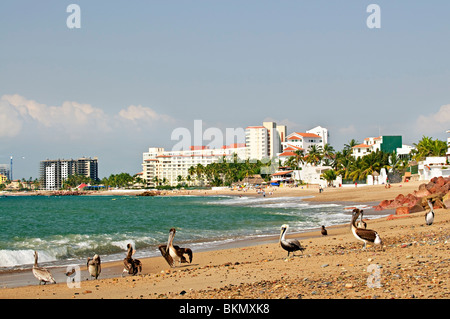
x: 429, y: 147
x: 225, y: 173
x: 315, y: 156
x: 349, y: 167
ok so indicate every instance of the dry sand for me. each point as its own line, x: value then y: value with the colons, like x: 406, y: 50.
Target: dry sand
x: 412, y: 263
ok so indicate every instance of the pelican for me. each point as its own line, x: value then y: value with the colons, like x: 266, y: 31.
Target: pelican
x: 361, y: 223
x: 362, y: 234
x: 42, y: 274
x: 94, y: 266
x: 429, y: 217
x: 132, y: 266
x: 172, y: 252
x: 324, y: 231
x: 290, y: 245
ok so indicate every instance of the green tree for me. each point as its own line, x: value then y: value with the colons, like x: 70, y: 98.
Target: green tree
x: 329, y: 175
x: 428, y: 147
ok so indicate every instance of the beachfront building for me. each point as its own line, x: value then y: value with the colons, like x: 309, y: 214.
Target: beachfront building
x: 383, y: 143
x: 54, y: 172
x: 264, y: 141
x: 5, y: 170
x: 317, y: 136
x: 303, y: 141
x: 172, y: 167
x: 434, y: 166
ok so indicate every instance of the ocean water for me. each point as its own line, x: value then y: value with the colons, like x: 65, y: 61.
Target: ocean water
x: 68, y: 229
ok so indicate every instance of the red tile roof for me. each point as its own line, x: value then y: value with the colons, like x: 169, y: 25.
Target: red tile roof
x: 282, y: 173
x: 361, y: 146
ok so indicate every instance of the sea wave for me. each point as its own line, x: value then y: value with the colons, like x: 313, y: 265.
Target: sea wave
x: 13, y: 258
x: 68, y: 247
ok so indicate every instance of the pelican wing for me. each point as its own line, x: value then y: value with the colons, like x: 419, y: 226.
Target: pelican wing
x: 165, y: 253
x: 43, y: 274
x: 366, y: 234
x: 183, y: 251
x: 292, y: 244
x: 127, y: 264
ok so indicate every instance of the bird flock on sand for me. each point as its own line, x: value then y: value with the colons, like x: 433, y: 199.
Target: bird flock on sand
x: 173, y: 253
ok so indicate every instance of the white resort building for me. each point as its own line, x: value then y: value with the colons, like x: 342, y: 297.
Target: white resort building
x: 161, y: 165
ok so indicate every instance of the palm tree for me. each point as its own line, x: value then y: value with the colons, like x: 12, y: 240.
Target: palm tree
x: 199, y: 170
x: 329, y: 175
x: 328, y: 154
x: 350, y: 145
x: 314, y: 155
x: 189, y: 179
x: 299, y: 158
x: 328, y: 151
x: 429, y: 147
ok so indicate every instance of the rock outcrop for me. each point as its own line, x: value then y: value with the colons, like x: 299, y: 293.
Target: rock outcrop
x: 437, y: 190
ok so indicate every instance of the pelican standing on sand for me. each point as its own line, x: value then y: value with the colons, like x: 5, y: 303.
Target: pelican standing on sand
x: 363, y: 234
x: 94, y: 266
x: 173, y: 252
x: 132, y: 266
x: 42, y: 274
x: 290, y: 245
x: 429, y: 217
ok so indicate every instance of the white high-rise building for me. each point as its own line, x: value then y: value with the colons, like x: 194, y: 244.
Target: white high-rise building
x: 264, y: 142
x: 256, y: 140
x: 276, y: 134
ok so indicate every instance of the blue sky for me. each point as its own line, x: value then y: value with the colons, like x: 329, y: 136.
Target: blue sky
x: 137, y: 70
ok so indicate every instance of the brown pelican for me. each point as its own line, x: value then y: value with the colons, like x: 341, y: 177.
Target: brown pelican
x: 290, y: 245
x: 429, y: 217
x: 362, y: 234
x: 324, y: 231
x: 172, y: 252
x: 132, y: 266
x: 42, y: 274
x: 361, y: 223
x: 94, y: 266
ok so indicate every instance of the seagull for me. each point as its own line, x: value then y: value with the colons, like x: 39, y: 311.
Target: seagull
x: 42, y: 274
x: 94, y: 266
x: 429, y: 217
x: 290, y: 245
x: 362, y: 234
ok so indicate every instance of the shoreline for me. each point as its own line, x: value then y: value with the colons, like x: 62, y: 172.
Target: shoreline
x: 248, y: 256
x: 20, y: 276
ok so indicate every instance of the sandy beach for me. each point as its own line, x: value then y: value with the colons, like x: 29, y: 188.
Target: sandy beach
x: 413, y: 262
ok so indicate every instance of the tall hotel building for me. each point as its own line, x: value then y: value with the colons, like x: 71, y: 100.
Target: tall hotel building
x: 54, y: 172
x: 264, y: 142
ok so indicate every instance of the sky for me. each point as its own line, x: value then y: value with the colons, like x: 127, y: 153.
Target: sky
x: 135, y: 71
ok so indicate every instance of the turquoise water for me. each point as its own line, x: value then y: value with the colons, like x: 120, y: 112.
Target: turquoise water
x: 64, y: 229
